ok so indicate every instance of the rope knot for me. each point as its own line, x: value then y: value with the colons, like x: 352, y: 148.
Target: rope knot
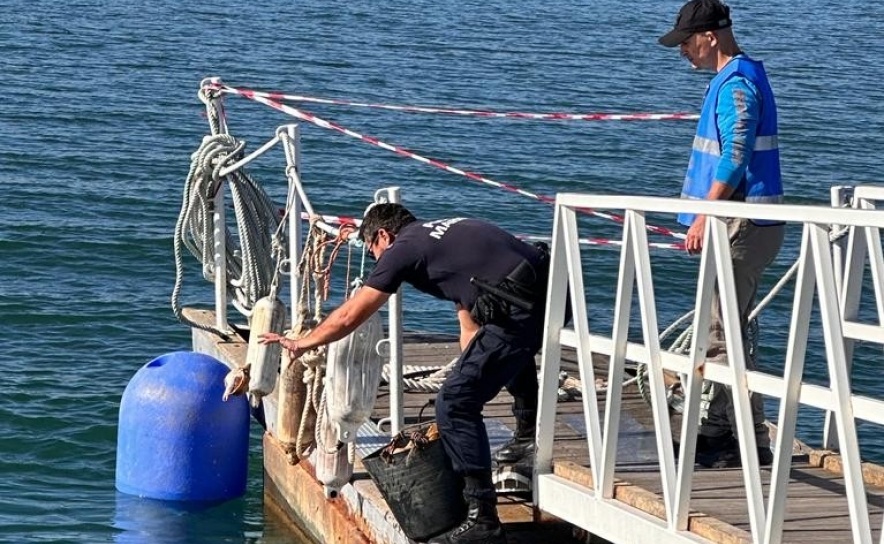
x: 345, y: 230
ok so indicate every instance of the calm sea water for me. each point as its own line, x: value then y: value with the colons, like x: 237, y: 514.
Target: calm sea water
x: 99, y: 117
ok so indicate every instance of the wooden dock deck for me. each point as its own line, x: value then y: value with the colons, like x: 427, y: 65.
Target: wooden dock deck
x: 816, y: 508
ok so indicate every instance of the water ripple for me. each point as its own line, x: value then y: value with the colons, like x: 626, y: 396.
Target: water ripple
x: 100, y: 117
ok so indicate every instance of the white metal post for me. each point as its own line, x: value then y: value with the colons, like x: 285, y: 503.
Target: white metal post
x: 617, y: 362
x: 214, y: 108
x: 736, y: 356
x: 577, y: 292
x: 550, y: 353
x: 838, y: 199
x: 292, y: 148
x: 220, y: 241
x: 838, y: 195
x: 651, y: 336
x: 839, y: 376
x: 397, y: 392
x: 694, y: 389
x: 793, y: 373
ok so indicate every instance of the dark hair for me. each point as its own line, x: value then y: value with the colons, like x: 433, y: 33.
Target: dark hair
x: 390, y: 217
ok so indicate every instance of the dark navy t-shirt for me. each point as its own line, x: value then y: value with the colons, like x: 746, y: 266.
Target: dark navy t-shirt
x: 439, y: 258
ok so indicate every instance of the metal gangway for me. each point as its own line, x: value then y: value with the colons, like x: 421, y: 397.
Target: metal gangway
x: 822, y: 281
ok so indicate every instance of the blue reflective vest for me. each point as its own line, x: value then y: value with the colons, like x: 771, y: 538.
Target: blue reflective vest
x: 762, y: 181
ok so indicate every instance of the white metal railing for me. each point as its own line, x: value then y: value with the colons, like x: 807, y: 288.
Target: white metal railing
x: 289, y: 137
x: 595, y: 508
x: 850, y: 254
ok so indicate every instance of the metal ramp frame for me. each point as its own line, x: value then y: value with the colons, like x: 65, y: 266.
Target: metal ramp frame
x: 594, y: 508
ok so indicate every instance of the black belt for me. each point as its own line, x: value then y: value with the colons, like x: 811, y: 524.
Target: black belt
x: 523, y: 288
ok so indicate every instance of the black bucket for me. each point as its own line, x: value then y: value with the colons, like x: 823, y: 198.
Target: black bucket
x: 423, y: 492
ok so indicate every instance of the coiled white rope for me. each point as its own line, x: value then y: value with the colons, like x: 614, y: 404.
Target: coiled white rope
x: 427, y: 384
x: 251, y: 266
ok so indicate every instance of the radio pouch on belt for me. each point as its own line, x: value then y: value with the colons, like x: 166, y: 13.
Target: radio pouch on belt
x: 522, y: 288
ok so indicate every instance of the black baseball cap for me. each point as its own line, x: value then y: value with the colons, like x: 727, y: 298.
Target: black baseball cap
x: 697, y: 16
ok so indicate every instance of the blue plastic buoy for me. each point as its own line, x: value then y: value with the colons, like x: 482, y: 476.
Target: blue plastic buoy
x: 177, y: 440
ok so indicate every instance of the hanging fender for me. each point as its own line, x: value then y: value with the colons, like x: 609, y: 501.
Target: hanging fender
x: 292, y: 397
x: 353, y: 378
x: 331, y: 459
x: 268, y: 315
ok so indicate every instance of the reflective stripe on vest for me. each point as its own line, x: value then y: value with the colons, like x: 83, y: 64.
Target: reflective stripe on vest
x: 762, y: 143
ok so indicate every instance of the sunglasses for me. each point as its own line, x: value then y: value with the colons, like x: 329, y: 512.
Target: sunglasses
x: 374, y: 240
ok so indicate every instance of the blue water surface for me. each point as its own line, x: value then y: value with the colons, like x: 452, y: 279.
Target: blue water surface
x: 99, y: 116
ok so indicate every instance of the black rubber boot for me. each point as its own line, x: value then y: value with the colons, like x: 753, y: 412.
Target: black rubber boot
x: 482, y: 526
x: 520, y: 447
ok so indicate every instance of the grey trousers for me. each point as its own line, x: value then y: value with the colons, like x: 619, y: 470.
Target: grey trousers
x: 753, y: 248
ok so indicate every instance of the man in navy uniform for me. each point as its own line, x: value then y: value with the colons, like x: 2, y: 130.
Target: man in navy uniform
x: 497, y: 284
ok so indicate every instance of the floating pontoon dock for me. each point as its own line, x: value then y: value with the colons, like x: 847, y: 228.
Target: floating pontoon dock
x: 817, y: 511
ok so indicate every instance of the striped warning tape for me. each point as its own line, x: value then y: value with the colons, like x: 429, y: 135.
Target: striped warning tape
x: 594, y: 116
x: 310, y: 118
x: 338, y: 220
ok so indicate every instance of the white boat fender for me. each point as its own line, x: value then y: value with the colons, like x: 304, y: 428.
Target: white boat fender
x: 268, y: 315
x: 353, y: 377
x: 331, y: 460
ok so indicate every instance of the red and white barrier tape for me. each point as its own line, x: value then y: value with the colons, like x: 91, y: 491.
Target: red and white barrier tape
x: 310, y: 118
x: 336, y: 219
x: 594, y: 116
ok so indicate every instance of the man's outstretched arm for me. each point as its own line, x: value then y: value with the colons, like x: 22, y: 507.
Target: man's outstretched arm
x: 341, y: 322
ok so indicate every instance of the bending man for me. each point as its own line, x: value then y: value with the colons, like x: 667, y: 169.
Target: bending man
x: 497, y: 284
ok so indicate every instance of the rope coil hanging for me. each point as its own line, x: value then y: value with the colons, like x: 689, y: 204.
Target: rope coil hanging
x: 252, y: 262
x: 309, y: 316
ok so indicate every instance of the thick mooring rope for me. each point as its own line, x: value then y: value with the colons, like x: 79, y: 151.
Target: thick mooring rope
x: 426, y: 384
x: 251, y: 266
x: 314, y: 361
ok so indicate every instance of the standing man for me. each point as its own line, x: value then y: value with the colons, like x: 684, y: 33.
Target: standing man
x: 734, y: 157
x: 497, y: 285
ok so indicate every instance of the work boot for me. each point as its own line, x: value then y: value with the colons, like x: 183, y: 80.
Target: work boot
x: 520, y: 447
x: 516, y: 450
x: 707, y: 448
x: 482, y: 526
x: 731, y: 458
x: 708, y: 444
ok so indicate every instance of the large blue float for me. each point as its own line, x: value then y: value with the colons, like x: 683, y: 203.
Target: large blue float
x: 178, y: 440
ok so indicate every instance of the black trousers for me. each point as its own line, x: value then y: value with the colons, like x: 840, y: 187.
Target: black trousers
x: 497, y: 357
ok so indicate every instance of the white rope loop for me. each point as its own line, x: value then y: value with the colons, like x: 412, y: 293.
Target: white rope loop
x: 251, y: 267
